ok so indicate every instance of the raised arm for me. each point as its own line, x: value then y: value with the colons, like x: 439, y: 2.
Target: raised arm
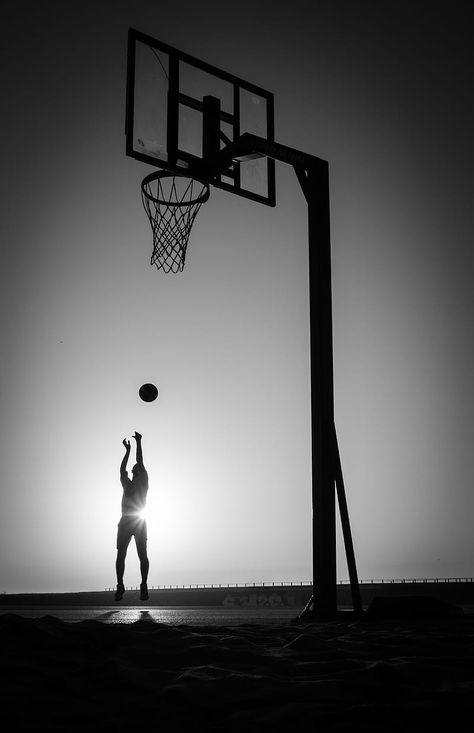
x: 138, y: 438
x: 123, y: 465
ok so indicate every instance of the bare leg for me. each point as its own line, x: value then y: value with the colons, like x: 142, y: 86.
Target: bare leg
x: 144, y: 566
x: 120, y: 566
x: 144, y: 563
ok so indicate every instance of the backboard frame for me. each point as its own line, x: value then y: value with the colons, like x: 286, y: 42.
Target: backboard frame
x: 180, y: 161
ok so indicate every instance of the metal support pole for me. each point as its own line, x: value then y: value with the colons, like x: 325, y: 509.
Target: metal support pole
x: 315, y: 184
x: 346, y: 528
x: 322, y: 392
x: 313, y: 175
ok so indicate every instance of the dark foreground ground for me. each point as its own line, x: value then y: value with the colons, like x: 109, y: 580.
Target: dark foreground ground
x: 370, y: 674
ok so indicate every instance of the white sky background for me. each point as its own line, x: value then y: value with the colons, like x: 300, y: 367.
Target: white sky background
x: 381, y: 90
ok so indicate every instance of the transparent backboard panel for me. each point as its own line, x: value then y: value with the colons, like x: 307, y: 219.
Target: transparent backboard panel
x: 165, y: 116
x: 196, y: 83
x: 189, y: 131
x: 253, y: 113
x: 254, y: 175
x: 151, y: 102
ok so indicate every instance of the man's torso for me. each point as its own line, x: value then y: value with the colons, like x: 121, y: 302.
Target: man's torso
x: 134, y: 493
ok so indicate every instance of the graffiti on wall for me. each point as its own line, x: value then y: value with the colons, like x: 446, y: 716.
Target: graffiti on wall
x: 258, y: 600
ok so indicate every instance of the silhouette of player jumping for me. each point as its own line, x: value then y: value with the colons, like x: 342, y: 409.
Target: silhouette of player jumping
x: 131, y: 523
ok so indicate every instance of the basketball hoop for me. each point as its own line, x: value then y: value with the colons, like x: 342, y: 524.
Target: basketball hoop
x: 171, y: 202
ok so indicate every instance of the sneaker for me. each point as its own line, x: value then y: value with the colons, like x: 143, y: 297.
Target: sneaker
x: 119, y: 592
x: 143, y: 592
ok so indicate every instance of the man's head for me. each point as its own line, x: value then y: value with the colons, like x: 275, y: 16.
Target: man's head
x: 135, y: 470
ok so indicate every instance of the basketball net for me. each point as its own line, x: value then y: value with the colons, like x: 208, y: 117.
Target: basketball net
x: 171, y: 202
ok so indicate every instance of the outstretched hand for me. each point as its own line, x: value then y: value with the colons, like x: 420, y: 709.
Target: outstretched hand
x: 137, y: 436
x: 126, y: 443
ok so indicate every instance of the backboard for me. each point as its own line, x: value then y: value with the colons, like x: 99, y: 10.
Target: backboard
x: 181, y: 110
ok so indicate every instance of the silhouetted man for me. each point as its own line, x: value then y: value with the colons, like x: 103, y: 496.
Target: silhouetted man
x: 132, y: 524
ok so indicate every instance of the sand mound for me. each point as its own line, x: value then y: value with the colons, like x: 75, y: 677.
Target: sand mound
x: 338, y: 676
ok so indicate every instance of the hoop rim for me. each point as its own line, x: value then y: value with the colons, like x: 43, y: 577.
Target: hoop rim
x: 156, y: 175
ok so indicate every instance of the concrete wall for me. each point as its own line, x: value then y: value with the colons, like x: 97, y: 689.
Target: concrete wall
x: 251, y: 597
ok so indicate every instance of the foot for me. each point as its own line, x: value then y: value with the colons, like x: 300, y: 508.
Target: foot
x: 143, y: 592
x: 119, y: 592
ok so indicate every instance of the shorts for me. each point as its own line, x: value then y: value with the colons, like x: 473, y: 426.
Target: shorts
x: 128, y: 527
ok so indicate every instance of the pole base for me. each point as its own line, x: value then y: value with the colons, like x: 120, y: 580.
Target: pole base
x: 311, y: 612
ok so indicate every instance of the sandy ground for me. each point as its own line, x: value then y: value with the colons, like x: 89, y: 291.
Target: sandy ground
x: 344, y: 675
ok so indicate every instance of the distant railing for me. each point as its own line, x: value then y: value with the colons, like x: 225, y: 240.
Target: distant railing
x: 416, y: 580
x: 301, y: 583
x: 216, y: 586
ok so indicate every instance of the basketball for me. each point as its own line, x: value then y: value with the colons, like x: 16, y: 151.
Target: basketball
x: 148, y: 392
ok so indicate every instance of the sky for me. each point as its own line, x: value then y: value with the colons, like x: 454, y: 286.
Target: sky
x: 382, y: 90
